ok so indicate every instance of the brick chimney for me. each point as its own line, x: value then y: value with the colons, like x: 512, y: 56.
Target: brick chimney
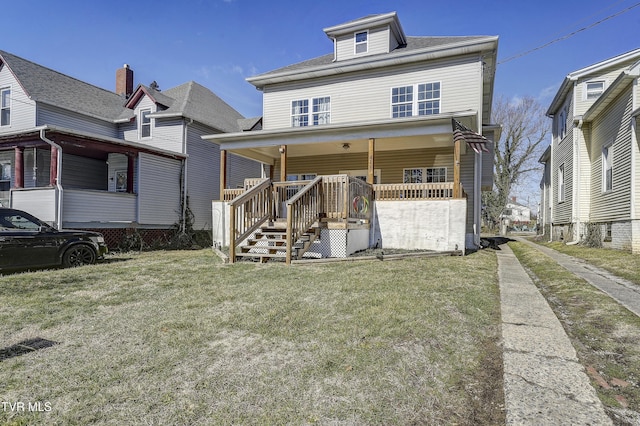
x: 124, y: 81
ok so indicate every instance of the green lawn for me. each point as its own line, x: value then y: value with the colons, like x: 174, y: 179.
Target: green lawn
x: 179, y: 338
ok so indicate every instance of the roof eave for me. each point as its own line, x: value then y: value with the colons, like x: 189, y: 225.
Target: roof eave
x: 461, y: 48
x: 359, y: 24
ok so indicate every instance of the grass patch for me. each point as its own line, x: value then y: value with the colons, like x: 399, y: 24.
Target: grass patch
x: 179, y: 338
x: 606, y: 335
x: 619, y: 262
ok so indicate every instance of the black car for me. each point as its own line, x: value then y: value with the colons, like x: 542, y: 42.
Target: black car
x: 26, y: 241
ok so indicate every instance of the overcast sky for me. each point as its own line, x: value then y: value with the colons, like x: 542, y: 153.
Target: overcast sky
x: 219, y: 43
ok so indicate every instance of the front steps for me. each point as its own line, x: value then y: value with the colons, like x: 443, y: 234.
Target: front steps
x: 270, y: 242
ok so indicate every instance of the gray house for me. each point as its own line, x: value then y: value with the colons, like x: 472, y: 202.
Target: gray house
x: 79, y: 156
x: 590, y: 182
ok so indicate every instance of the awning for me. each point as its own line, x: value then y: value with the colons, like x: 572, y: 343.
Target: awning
x: 476, y: 141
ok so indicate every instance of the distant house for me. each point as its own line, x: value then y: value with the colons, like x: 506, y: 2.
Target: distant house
x: 79, y: 156
x: 516, y: 213
x: 385, y: 142
x: 592, y: 167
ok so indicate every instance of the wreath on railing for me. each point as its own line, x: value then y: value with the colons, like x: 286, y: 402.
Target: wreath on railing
x: 360, y: 204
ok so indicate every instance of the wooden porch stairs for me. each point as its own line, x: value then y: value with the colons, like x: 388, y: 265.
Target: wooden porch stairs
x: 270, y: 242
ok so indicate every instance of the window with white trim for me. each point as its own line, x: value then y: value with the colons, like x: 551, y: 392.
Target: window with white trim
x: 594, y: 89
x: 429, y: 98
x: 425, y: 175
x: 321, y: 110
x: 361, y: 42
x: 405, y: 104
x: 562, y: 124
x: 319, y: 114
x: 402, y: 101
x: 5, y: 106
x: 607, y: 168
x: 145, y: 123
x: 561, y: 183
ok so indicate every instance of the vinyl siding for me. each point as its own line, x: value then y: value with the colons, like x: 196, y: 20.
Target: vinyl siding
x: 583, y: 192
x: 82, y: 172
x: 390, y: 163
x: 488, y: 159
x: 563, y: 154
x: 23, y: 109
x: 378, y: 42
x: 366, y: 96
x: 608, y: 75
x: 166, y: 134
x: 158, y: 190
x: 53, y: 116
x: 612, y: 126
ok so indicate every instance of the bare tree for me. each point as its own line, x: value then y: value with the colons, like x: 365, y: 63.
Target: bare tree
x: 524, y: 130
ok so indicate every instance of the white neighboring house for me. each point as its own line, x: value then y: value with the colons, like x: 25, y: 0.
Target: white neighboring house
x: 79, y: 156
x: 592, y: 168
x: 516, y: 213
x: 380, y: 141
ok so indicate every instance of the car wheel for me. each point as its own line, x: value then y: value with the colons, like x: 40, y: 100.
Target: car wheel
x: 78, y: 255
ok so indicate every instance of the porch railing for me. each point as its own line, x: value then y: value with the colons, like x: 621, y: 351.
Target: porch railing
x: 414, y: 191
x: 247, y: 212
x: 303, y: 210
x: 282, y: 192
x: 347, y: 197
x: 230, y: 194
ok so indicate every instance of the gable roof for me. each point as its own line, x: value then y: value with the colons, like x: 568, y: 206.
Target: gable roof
x: 194, y: 101
x: 568, y: 81
x: 51, y: 87
x: 417, y: 48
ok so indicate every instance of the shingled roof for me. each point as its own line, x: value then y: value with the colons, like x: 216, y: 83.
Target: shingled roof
x: 54, y: 88
x: 189, y: 100
x: 194, y: 101
x: 414, y: 44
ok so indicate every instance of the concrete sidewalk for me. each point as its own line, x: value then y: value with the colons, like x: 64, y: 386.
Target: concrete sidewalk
x: 623, y: 291
x: 543, y: 381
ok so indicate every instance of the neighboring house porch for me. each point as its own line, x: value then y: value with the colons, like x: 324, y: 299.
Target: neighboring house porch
x: 76, y: 180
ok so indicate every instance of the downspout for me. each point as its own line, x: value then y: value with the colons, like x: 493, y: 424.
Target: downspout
x: 335, y: 49
x: 184, y: 176
x: 58, y: 176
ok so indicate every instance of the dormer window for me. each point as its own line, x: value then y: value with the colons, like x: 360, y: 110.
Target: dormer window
x: 362, y: 42
x: 145, y: 123
x: 595, y: 89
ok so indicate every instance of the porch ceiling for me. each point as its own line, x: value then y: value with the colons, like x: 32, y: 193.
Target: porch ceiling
x: 349, y: 146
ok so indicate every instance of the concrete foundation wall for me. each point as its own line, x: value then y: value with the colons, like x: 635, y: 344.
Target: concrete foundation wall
x: 220, y: 223
x: 420, y: 225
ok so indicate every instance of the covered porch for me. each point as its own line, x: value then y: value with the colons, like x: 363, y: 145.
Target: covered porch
x: 71, y: 179
x: 414, y: 160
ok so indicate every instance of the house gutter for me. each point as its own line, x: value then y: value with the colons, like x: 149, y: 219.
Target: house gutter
x: 58, y: 176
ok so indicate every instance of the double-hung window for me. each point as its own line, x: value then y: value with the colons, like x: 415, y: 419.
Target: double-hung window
x: 594, y: 89
x: 361, y: 42
x: 607, y: 168
x: 428, y: 98
x: 321, y: 110
x: 145, y: 123
x: 402, y: 101
x: 5, y: 106
x: 318, y: 114
x: 418, y: 99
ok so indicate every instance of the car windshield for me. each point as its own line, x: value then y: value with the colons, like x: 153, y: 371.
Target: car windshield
x: 13, y: 221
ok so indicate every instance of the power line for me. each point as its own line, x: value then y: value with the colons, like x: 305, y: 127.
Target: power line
x: 568, y: 35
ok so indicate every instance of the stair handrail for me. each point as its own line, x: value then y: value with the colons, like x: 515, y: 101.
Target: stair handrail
x: 247, y: 212
x: 303, y: 210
